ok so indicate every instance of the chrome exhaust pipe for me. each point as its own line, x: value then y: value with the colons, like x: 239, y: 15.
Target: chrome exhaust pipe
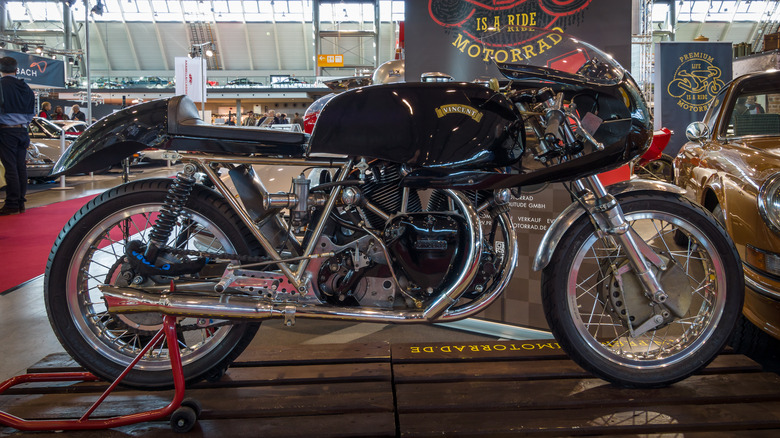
x: 129, y: 300
x: 236, y: 307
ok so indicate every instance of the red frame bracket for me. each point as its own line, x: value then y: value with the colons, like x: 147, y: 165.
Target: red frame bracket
x: 84, y: 423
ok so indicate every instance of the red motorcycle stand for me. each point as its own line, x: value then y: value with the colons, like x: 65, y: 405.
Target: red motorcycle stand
x: 184, y: 413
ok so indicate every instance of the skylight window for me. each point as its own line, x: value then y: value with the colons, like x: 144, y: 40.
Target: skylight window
x: 210, y: 10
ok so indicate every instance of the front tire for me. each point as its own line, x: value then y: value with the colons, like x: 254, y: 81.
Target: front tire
x: 90, y: 251
x: 580, y: 287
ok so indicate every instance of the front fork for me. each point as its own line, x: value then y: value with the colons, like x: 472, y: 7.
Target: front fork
x: 611, y: 223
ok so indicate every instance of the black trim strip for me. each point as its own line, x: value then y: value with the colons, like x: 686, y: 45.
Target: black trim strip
x: 19, y: 286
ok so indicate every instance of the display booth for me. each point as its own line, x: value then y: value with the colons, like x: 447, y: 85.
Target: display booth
x: 440, y: 37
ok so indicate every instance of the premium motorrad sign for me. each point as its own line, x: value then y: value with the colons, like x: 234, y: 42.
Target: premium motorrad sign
x: 38, y: 71
x: 690, y: 75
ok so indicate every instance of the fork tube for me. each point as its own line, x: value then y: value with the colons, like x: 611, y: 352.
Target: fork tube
x: 315, y: 237
x: 266, y: 244
x: 618, y: 227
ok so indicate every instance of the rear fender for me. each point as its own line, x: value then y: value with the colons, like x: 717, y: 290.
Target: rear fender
x: 574, y: 211
x: 115, y: 137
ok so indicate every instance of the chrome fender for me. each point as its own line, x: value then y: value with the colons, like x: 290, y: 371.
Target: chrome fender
x: 574, y: 211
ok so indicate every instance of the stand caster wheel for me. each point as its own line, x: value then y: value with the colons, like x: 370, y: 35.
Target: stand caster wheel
x: 194, y: 404
x: 183, y: 419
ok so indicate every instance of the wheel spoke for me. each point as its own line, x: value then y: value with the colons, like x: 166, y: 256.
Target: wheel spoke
x: 122, y: 336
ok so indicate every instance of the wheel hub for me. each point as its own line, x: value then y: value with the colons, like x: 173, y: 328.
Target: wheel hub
x: 625, y: 297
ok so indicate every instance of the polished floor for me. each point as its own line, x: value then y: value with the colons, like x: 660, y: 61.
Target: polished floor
x: 27, y: 337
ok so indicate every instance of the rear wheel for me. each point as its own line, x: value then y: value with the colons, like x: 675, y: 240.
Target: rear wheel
x: 90, y: 251
x: 596, y: 307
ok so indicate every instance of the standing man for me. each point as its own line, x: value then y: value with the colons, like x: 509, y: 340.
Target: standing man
x: 17, y: 108
x: 298, y: 120
x: 77, y: 114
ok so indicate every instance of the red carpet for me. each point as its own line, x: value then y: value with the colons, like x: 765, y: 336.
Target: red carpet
x: 26, y: 240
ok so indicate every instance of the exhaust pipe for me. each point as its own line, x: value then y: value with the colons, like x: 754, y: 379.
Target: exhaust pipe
x: 129, y: 300
x: 236, y: 307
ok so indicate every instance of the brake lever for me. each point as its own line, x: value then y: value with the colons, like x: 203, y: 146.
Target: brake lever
x: 581, y: 129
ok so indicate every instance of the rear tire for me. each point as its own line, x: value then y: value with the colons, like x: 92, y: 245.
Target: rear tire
x: 89, y: 251
x: 588, y: 305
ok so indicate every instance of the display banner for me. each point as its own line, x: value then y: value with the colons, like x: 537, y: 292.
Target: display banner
x: 688, y: 77
x: 38, y: 71
x: 440, y: 37
x: 441, y: 34
x: 191, y: 78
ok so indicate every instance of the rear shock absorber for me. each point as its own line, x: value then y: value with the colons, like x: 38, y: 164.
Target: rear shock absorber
x: 178, y: 194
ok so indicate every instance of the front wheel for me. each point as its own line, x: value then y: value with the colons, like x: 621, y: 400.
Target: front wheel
x: 90, y: 251
x: 595, y: 305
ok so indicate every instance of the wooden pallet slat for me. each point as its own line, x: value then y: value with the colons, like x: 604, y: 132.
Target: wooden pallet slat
x: 453, y: 371
x: 576, y: 393
x: 596, y: 420
x: 497, y: 388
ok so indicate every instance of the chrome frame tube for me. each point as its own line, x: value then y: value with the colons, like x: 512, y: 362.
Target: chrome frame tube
x: 404, y: 199
x: 264, y: 242
x: 376, y: 210
x: 204, y: 162
x: 234, y: 159
x: 315, y: 236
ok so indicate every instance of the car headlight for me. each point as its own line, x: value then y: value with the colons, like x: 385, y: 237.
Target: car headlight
x: 769, y: 202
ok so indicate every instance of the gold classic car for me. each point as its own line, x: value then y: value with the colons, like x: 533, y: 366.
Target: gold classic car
x: 731, y: 166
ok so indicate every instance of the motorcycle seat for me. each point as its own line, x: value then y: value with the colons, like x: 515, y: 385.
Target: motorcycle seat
x: 183, y: 120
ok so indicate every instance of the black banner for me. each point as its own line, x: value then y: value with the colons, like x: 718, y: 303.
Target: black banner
x: 38, y: 70
x: 688, y: 76
x: 441, y: 34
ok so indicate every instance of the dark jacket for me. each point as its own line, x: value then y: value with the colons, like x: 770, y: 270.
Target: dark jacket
x: 17, y: 96
x: 79, y: 116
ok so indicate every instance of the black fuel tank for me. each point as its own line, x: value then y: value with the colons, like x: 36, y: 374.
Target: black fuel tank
x: 452, y: 125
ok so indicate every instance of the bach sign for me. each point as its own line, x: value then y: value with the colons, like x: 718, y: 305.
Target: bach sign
x: 38, y: 71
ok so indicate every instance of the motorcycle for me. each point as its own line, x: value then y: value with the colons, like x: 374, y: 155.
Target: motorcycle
x: 654, y: 164
x: 399, y: 214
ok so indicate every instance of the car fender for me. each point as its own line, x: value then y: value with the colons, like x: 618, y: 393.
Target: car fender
x: 574, y: 211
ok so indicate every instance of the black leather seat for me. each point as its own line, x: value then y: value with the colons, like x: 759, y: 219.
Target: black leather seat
x: 183, y: 120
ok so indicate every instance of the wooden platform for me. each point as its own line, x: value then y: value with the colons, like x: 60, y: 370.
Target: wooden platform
x: 465, y: 389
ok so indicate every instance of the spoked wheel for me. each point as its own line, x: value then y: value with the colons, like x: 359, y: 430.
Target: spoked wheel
x: 600, y: 315
x: 90, y: 251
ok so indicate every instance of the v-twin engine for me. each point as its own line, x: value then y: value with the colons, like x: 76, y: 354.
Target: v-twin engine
x: 417, y: 266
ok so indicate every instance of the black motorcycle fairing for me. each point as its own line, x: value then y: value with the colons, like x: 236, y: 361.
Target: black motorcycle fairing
x: 171, y: 124
x: 115, y: 137
x: 447, y: 125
